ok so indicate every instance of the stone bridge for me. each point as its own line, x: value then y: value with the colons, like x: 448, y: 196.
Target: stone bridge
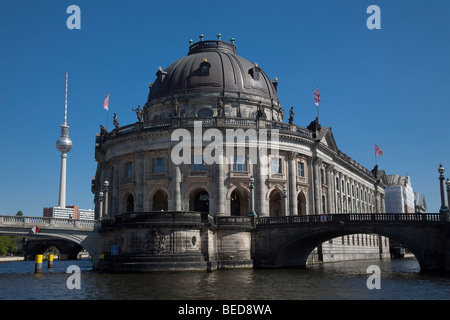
x: 81, y: 232
x: 287, y: 241
x: 275, y: 241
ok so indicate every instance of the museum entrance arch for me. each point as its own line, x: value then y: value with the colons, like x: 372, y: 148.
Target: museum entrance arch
x: 160, y: 202
x: 239, y: 202
x: 128, y: 202
x: 275, y: 209
x: 235, y: 204
x: 301, y: 204
x: 200, y: 201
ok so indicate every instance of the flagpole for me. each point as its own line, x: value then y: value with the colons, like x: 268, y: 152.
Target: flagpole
x: 375, y: 148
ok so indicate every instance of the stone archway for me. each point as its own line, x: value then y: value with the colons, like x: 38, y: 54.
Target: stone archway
x: 235, y: 204
x: 239, y: 202
x: 275, y: 203
x: 199, y: 201
x: 130, y: 203
x: 301, y: 204
x: 160, y: 201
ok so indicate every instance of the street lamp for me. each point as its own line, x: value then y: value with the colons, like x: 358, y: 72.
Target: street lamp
x: 448, y: 193
x: 441, y: 171
x: 252, y: 212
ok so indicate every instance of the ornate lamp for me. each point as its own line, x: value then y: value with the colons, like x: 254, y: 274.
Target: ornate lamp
x: 441, y: 171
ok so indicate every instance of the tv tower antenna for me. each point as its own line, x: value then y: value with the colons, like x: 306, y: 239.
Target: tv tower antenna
x: 64, y: 145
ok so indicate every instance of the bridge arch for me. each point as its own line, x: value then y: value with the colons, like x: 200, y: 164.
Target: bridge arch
x: 295, y: 249
x: 36, y: 245
x: 287, y: 241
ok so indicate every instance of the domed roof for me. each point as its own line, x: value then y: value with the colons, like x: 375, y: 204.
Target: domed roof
x: 209, y: 67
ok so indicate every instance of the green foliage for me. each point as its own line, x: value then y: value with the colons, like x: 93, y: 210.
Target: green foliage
x: 53, y: 250
x: 19, y: 213
x: 8, y: 244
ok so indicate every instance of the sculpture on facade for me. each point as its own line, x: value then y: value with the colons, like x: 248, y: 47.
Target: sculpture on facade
x: 176, y: 108
x: 291, y: 115
x: 115, y: 121
x: 219, y: 107
x: 139, y: 113
x: 103, y: 132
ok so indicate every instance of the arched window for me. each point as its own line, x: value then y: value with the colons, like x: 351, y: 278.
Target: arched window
x: 275, y: 204
x: 204, y: 67
x: 200, y: 202
x: 235, y: 204
x: 130, y: 203
x: 160, y: 201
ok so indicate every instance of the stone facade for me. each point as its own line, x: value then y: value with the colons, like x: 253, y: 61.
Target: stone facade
x: 199, y: 100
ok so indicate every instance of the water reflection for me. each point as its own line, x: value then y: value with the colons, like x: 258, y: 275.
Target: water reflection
x: 400, y: 279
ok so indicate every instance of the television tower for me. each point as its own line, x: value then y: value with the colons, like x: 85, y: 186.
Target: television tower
x: 64, y: 145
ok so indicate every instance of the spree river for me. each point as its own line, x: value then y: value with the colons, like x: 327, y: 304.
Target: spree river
x: 399, y: 279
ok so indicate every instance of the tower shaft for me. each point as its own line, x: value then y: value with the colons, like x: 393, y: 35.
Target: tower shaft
x: 62, y: 182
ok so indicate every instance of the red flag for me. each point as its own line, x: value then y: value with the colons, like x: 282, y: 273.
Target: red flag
x: 106, y: 102
x: 378, y: 151
x: 317, y: 97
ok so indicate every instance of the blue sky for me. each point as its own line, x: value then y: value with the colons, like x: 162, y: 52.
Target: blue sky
x: 387, y: 86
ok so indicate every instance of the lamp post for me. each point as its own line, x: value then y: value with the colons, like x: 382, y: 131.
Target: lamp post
x: 448, y: 194
x: 252, y: 212
x: 444, y: 207
x: 105, y: 189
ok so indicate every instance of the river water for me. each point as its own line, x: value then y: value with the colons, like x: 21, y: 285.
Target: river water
x: 399, y: 279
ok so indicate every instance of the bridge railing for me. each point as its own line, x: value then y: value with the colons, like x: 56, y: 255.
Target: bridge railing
x: 355, y: 217
x: 45, y: 221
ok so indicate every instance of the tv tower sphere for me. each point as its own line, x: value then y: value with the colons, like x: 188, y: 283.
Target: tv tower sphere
x: 64, y: 144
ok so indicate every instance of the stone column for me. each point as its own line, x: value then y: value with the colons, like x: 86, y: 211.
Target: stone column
x: 293, y: 208
x: 310, y: 199
x: 115, y: 203
x: 99, y: 213
x: 221, y: 190
x: 106, y: 199
x: 139, y: 176
x: 317, y: 186
x: 330, y: 194
x: 176, y: 189
x: 262, y: 204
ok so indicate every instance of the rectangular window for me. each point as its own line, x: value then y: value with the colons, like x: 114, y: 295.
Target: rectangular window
x: 300, y: 169
x: 240, y: 163
x: 198, y: 164
x: 159, y: 165
x: 275, y: 165
x: 129, y: 169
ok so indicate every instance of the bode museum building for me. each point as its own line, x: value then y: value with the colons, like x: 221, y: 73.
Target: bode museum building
x: 211, y: 149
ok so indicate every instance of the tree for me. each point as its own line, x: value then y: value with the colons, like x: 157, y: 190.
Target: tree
x: 7, y: 245
x: 19, y: 213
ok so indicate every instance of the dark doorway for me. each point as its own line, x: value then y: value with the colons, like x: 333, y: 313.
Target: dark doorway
x: 235, y: 204
x: 130, y: 203
x: 160, y: 202
x: 201, y: 202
